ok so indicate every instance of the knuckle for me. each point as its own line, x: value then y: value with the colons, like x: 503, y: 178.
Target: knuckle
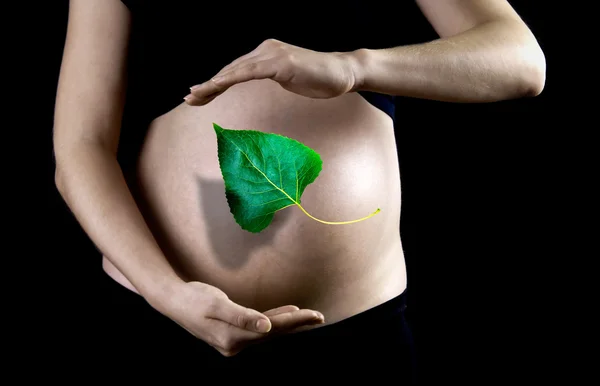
x: 270, y: 43
x: 212, y: 341
x: 267, y: 42
x: 227, y: 343
x: 212, y: 306
x: 214, y: 293
x: 288, y: 59
x: 228, y: 353
x: 252, y: 67
x: 241, y: 320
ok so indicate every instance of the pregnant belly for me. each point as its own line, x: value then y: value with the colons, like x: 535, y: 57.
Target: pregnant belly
x: 337, y: 269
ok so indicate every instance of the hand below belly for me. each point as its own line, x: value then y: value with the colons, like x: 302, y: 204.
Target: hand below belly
x: 295, y: 260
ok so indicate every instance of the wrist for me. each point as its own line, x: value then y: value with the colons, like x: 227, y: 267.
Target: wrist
x: 161, y: 292
x: 358, y: 62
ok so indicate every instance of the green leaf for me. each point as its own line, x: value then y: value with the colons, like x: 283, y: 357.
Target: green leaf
x: 264, y: 173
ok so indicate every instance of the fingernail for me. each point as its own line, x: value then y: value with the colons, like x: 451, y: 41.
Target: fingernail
x: 318, y: 315
x: 187, y: 97
x: 217, y: 79
x: 194, y: 88
x: 263, y: 326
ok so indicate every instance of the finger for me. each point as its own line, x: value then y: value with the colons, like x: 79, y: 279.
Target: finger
x: 203, y: 91
x: 229, y: 339
x: 242, y: 60
x: 244, y: 72
x: 200, y: 91
x: 239, y: 60
x: 211, y: 98
x: 280, y: 310
x: 251, y: 70
x: 194, y: 101
x: 248, y: 71
x: 240, y: 64
x: 191, y: 100
x: 295, y: 319
x: 261, y: 49
x: 238, y: 316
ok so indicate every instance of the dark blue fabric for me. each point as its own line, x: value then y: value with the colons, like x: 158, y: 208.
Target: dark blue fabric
x: 377, y: 343
x: 385, y: 103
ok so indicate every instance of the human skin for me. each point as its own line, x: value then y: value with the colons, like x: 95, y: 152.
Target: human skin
x: 484, y: 54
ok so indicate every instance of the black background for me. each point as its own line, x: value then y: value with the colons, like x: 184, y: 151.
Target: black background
x: 473, y: 180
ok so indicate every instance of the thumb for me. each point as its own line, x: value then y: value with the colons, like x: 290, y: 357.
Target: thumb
x: 242, y: 317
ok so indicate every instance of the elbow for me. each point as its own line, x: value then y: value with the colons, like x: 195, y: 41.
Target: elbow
x: 59, y: 181
x: 531, y: 70
x: 525, y: 78
x: 526, y: 62
x: 532, y: 88
x: 534, y: 76
x: 60, y: 176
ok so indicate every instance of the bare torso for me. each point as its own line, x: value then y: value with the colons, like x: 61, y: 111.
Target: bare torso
x: 339, y: 270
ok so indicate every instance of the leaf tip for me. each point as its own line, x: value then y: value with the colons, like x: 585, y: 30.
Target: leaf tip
x: 217, y: 128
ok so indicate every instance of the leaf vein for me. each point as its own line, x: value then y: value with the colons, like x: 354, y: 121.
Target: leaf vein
x: 265, y: 214
x: 268, y: 202
x: 254, y: 182
x: 264, y: 191
x: 306, y: 171
x: 278, y: 163
x: 259, y: 149
x: 260, y: 171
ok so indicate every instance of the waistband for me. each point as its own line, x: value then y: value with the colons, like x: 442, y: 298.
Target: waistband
x: 369, y: 317
x: 396, y: 305
x: 383, y: 102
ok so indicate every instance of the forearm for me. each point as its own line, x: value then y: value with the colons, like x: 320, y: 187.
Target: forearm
x: 495, y: 61
x: 90, y: 180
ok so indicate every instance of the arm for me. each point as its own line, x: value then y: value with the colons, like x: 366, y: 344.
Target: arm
x: 485, y: 53
x: 88, y: 113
